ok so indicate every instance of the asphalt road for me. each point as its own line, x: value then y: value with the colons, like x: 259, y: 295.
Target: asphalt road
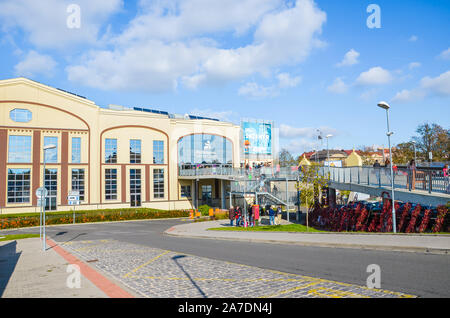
x: 424, y: 275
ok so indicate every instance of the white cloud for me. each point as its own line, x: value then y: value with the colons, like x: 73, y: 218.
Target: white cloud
x: 445, y: 55
x: 286, y: 81
x: 287, y: 131
x: 438, y: 86
x: 375, y: 76
x: 413, y: 38
x: 350, y: 58
x: 254, y: 90
x: 45, y: 21
x: 227, y: 116
x: 172, y: 42
x: 408, y: 95
x: 338, y: 86
x: 414, y: 65
x: 35, y: 63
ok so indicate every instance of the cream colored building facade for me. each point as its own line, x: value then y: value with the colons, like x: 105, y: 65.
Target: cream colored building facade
x: 93, y: 152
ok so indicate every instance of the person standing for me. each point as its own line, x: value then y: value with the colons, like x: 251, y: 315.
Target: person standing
x: 446, y: 179
x: 278, y: 216
x: 231, y: 215
x: 237, y: 215
x: 412, y: 175
x: 271, y: 216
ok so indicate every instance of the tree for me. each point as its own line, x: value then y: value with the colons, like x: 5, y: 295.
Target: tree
x: 311, y: 182
x: 403, y: 153
x: 435, y: 139
x: 286, y: 159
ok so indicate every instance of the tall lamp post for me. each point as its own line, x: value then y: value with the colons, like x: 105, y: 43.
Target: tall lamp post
x: 44, y: 246
x: 389, y: 133
x: 328, y: 154
x: 415, y: 153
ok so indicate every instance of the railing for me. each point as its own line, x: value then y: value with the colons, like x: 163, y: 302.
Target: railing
x: 431, y: 180
x: 425, y: 180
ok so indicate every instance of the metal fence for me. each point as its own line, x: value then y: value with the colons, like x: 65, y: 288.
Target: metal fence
x: 425, y: 180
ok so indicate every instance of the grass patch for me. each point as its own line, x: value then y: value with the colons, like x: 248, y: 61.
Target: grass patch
x: 13, y: 237
x: 269, y: 228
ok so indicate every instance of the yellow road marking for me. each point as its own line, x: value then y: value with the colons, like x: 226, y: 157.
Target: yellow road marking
x: 290, y: 290
x: 333, y: 293
x: 145, y: 264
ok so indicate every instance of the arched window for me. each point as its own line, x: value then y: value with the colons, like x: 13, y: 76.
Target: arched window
x: 205, y: 149
x: 20, y: 115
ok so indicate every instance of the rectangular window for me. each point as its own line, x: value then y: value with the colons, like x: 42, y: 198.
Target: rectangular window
x: 158, y: 183
x: 111, y: 184
x: 51, y: 184
x: 19, y: 150
x: 135, y: 187
x: 76, y: 150
x: 18, y: 185
x: 158, y: 152
x: 186, y: 191
x: 51, y: 155
x: 111, y: 151
x: 78, y: 182
x: 135, y: 151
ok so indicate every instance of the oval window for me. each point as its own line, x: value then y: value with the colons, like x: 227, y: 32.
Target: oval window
x: 20, y: 115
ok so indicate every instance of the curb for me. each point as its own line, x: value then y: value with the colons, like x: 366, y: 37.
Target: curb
x: 87, y: 223
x: 411, y: 249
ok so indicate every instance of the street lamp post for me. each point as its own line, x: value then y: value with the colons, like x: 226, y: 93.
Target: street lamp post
x: 415, y: 153
x: 44, y: 245
x: 386, y: 106
x: 328, y: 154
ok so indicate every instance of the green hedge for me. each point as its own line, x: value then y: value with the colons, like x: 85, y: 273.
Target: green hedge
x: 32, y: 219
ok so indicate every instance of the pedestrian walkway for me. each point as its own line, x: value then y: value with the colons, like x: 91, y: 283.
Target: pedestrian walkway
x: 436, y: 244
x: 27, y: 271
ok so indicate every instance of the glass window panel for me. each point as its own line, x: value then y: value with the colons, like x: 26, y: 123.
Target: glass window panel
x: 78, y: 182
x: 135, y: 151
x: 18, y: 190
x: 204, y: 149
x: 111, y: 151
x: 158, y: 152
x: 20, y: 115
x: 76, y: 150
x: 51, y: 155
x: 111, y: 184
x: 158, y: 183
x: 19, y: 150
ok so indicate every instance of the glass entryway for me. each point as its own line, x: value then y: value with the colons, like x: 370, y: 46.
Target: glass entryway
x: 135, y: 187
x: 207, y: 194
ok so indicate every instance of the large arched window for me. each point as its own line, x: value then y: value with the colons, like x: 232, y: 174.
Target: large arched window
x: 204, y: 149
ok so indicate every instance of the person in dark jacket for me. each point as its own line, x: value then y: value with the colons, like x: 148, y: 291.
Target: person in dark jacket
x: 231, y: 215
x: 271, y: 216
x: 238, y: 216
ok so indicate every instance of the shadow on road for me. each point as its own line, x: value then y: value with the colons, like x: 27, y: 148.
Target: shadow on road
x: 62, y: 243
x: 8, y: 261
x: 175, y: 259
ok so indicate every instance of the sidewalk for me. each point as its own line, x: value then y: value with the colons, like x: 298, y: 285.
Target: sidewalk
x: 434, y: 244
x: 26, y: 271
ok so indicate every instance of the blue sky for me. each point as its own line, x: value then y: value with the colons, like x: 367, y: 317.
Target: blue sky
x: 305, y: 64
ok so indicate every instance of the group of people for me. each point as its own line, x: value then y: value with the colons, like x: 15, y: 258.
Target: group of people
x: 236, y: 215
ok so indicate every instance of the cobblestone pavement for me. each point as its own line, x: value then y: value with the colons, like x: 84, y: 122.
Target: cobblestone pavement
x: 154, y: 273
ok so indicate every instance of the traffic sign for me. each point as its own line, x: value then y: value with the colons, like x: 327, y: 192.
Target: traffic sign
x: 41, y: 192
x: 74, y: 198
x: 40, y: 203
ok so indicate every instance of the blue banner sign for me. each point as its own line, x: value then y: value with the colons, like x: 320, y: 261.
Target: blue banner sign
x: 257, y: 138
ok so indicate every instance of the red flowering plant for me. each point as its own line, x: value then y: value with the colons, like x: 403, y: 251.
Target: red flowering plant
x: 406, y: 209
x: 412, y: 223
x: 442, y: 212
x: 362, y: 220
x: 373, y: 224
x: 425, y: 221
